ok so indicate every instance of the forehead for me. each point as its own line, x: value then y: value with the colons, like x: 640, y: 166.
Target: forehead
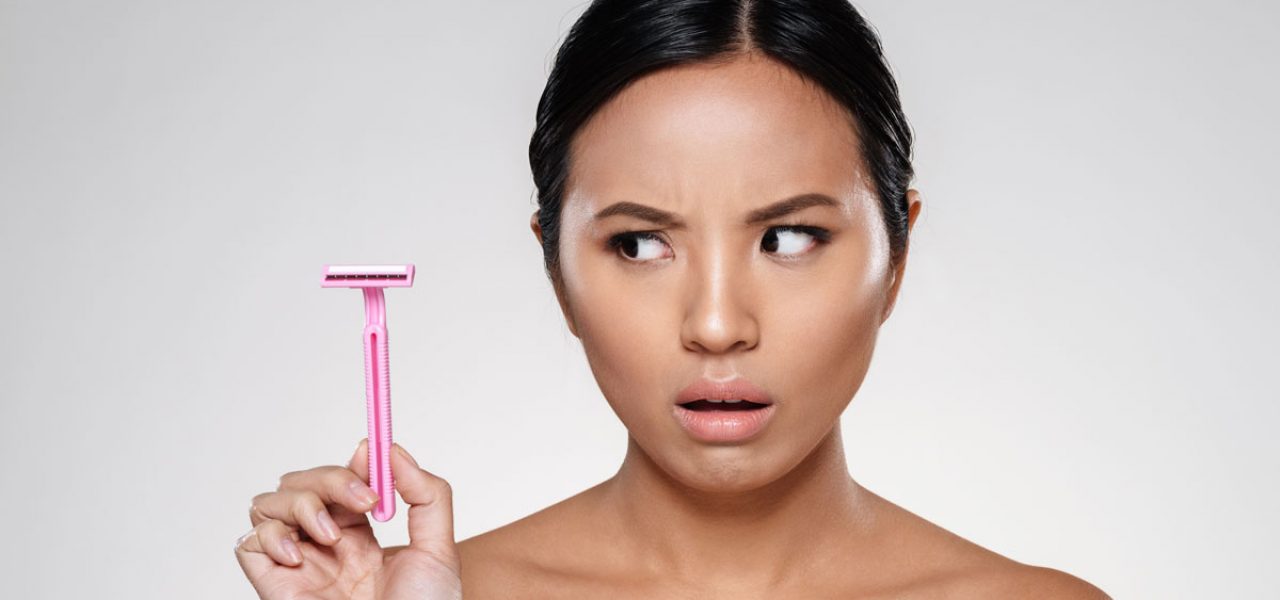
x: 704, y: 135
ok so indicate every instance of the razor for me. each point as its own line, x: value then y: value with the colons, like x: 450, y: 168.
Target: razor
x: 377, y: 378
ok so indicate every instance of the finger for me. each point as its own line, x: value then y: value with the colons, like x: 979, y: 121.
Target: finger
x: 274, y: 540
x: 430, y: 500
x: 359, y: 463
x: 253, y: 561
x: 342, y: 516
x: 298, y: 508
x: 334, y: 485
x: 321, y: 520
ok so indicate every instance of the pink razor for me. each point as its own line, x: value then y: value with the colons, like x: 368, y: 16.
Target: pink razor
x: 377, y: 378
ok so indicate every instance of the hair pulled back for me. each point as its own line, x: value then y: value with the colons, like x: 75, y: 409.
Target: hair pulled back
x: 615, y: 42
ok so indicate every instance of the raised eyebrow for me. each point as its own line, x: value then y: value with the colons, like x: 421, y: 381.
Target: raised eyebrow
x: 773, y: 211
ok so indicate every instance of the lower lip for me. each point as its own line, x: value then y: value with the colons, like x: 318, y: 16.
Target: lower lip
x: 723, y: 425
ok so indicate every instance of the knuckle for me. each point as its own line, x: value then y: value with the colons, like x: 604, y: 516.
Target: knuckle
x: 331, y: 470
x: 436, y: 482
x: 337, y: 478
x: 339, y: 486
x: 306, y: 501
x: 281, y: 529
x: 286, y: 479
x: 255, y: 506
x: 442, y: 485
x: 270, y: 529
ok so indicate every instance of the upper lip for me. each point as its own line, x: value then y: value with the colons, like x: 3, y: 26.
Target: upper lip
x: 736, y: 388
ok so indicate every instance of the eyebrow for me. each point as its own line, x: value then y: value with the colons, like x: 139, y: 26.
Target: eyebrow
x: 773, y: 211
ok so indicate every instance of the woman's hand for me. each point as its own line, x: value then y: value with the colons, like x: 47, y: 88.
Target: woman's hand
x: 335, y: 555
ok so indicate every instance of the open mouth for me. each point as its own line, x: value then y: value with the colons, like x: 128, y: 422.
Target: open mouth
x: 726, y: 405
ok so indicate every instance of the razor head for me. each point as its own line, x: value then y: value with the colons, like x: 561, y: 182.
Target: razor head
x: 367, y: 276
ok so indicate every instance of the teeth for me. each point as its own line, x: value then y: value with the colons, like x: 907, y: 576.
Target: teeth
x: 730, y: 401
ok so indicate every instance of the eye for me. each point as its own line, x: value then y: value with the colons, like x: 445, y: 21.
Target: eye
x: 641, y: 244
x: 789, y: 241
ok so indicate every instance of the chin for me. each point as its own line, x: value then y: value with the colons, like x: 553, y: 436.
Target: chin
x: 723, y: 469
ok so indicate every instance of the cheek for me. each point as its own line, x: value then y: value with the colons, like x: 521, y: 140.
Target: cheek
x: 828, y: 342
x: 817, y: 332
x: 822, y: 335
x: 625, y: 329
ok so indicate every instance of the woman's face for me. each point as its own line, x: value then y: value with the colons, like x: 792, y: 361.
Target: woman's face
x: 719, y: 297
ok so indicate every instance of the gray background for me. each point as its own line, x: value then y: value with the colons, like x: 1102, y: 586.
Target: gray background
x: 1079, y: 373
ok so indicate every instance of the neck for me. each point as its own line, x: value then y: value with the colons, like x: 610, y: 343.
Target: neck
x: 753, y: 538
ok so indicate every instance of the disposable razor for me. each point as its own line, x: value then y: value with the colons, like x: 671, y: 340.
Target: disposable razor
x: 377, y: 377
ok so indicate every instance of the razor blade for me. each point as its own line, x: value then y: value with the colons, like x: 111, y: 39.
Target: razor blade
x: 365, y: 276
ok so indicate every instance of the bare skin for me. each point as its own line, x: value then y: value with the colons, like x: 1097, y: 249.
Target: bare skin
x: 778, y: 516
x: 312, y: 540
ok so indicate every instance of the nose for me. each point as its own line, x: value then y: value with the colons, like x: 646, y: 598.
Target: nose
x: 720, y: 315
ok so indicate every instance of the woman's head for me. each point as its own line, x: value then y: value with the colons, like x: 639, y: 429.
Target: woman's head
x: 703, y: 113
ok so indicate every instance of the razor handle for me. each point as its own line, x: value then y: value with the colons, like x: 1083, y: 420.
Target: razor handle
x: 378, y: 396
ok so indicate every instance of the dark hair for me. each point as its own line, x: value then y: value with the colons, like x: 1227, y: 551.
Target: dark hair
x: 614, y: 42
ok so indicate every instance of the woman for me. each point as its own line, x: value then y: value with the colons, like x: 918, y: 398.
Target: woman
x: 724, y: 217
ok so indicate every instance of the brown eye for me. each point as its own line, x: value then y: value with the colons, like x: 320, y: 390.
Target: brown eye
x: 637, y: 246
x: 789, y: 241
x: 792, y: 242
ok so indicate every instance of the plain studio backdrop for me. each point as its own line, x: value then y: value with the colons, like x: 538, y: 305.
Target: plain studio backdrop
x: 1080, y: 372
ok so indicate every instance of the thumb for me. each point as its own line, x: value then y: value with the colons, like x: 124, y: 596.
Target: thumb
x: 430, y: 500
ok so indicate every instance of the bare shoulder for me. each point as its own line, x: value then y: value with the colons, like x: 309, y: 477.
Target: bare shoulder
x: 496, y: 564
x: 563, y: 551
x: 941, y: 563
x: 1018, y: 580
x: 525, y: 558
x: 489, y: 569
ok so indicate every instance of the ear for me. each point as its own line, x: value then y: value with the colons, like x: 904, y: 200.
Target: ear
x: 561, y: 296
x: 914, y: 203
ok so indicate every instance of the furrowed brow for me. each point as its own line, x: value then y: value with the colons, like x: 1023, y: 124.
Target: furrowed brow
x: 656, y: 216
x: 663, y: 218
x: 790, y: 205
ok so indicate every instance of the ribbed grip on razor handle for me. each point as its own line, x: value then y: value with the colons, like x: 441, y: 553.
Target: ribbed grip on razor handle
x: 378, y: 394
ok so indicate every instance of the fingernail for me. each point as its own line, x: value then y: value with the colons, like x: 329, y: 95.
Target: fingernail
x: 363, y: 493
x: 290, y: 549
x: 326, y: 523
